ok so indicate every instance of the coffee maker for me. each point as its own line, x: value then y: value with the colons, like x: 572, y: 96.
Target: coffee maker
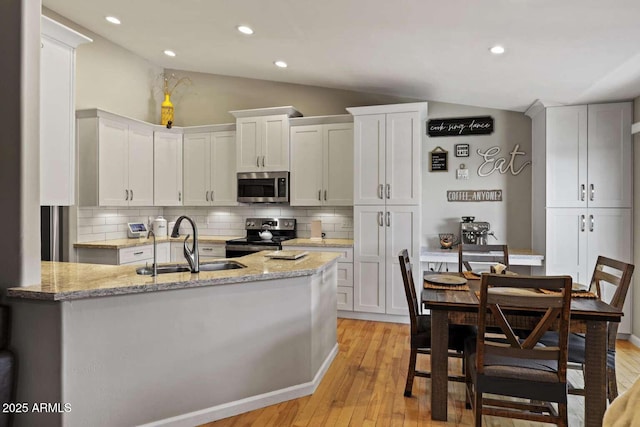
x: 474, y: 233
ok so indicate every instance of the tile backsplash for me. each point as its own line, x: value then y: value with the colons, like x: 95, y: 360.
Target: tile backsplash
x: 97, y: 223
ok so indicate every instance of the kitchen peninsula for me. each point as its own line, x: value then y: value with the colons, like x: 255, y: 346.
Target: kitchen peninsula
x: 176, y: 349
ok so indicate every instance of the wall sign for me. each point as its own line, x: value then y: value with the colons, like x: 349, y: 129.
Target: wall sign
x: 460, y: 126
x: 474, y: 195
x: 438, y: 160
x: 462, y: 150
x: 493, y: 163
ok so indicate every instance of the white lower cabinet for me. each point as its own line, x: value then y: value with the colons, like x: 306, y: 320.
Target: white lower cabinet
x: 205, y: 250
x: 575, y: 239
x: 135, y: 255
x: 345, y: 272
x: 380, y: 233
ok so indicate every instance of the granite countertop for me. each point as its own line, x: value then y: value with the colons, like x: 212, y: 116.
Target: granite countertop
x: 63, y: 281
x: 129, y: 243
x: 335, y: 243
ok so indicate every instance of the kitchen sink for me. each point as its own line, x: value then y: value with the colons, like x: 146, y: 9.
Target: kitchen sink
x: 179, y: 268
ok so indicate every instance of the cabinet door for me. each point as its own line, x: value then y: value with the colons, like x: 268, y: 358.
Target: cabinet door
x: 610, y: 159
x: 224, y: 187
x: 113, y: 158
x: 248, y: 144
x: 338, y: 164
x: 402, y: 163
x: 197, y: 169
x: 566, y: 251
x: 610, y: 235
x: 167, y: 153
x: 163, y: 254
x: 369, y: 164
x: 274, y: 143
x: 57, y: 154
x: 306, y: 165
x: 566, y: 157
x: 401, y: 228
x: 369, y: 259
x: 140, y: 166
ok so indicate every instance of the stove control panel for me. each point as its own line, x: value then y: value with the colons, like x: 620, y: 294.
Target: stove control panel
x: 270, y: 224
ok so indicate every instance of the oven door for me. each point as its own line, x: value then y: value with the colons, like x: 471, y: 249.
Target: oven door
x: 263, y: 187
x: 236, y: 250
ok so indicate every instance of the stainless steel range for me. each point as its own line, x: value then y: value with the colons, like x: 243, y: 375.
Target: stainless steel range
x: 279, y: 229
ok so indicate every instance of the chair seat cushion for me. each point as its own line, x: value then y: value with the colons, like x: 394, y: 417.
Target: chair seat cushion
x: 514, y: 368
x: 457, y: 334
x: 576, y: 348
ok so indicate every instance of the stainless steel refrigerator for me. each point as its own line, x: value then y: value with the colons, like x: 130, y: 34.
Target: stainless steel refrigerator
x: 52, y: 233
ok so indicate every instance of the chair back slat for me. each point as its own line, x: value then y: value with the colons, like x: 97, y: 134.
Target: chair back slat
x: 409, y: 289
x: 482, y: 254
x: 500, y: 294
x: 621, y: 279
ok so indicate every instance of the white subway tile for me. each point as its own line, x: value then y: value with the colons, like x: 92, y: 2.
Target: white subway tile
x: 91, y: 237
x: 91, y: 221
x: 105, y: 228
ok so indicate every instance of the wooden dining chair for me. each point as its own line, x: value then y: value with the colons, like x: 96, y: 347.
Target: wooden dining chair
x: 421, y: 329
x: 515, y: 367
x: 481, y: 254
x: 618, y: 274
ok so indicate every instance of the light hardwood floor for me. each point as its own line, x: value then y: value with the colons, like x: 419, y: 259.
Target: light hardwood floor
x: 364, y: 387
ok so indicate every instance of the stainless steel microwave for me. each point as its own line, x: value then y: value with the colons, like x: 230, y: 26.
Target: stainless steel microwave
x: 263, y: 187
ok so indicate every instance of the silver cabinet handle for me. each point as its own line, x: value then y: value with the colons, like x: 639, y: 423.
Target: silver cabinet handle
x: 593, y: 192
x: 582, y: 222
x: 592, y: 223
x: 126, y: 194
x: 211, y: 195
x: 179, y: 196
x: 388, y: 191
x: 388, y: 219
x: 131, y: 192
x: 263, y: 160
x: 325, y: 195
x: 207, y: 249
x: 138, y: 253
x: 380, y: 223
x: 258, y: 161
x: 319, y: 194
x: 206, y: 195
x: 380, y: 190
x: 583, y: 192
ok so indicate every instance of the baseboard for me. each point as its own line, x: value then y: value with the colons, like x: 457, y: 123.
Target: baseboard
x: 376, y: 317
x: 634, y: 340
x: 230, y: 409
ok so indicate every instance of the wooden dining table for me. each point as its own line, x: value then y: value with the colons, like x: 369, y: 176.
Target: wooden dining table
x: 588, y: 316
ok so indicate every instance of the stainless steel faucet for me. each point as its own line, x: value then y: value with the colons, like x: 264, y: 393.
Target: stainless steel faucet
x: 192, y: 255
x: 155, y: 252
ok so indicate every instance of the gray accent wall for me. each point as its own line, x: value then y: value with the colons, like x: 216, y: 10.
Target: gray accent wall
x: 636, y: 223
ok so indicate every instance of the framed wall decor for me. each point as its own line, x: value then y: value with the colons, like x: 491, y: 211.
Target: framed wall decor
x: 462, y: 150
x: 438, y: 160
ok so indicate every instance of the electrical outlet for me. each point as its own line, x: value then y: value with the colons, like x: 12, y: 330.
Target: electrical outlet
x: 347, y: 223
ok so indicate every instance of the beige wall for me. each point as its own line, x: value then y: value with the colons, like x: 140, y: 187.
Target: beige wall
x: 511, y: 218
x: 636, y: 222
x: 210, y: 98
x: 112, y: 78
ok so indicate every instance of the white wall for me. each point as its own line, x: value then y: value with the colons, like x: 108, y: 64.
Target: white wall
x: 511, y: 218
x: 98, y: 223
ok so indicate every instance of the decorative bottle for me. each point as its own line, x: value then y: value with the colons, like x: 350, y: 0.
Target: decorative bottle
x: 166, y: 111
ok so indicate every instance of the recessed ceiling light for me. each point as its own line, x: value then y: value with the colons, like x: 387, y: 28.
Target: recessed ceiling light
x: 113, y: 20
x: 169, y: 53
x: 245, y: 30
x: 281, y: 64
x: 497, y: 50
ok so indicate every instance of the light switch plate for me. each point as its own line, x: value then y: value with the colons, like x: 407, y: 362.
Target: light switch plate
x: 462, y: 173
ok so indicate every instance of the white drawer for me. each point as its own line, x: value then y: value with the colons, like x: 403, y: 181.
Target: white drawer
x: 345, y: 274
x: 135, y: 254
x: 345, y: 298
x: 347, y: 253
x: 211, y: 250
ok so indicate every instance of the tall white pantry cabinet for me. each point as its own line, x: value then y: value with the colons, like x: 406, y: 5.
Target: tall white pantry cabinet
x: 387, y: 182
x: 582, y: 189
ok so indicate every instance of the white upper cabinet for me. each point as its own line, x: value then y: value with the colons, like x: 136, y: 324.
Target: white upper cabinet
x: 322, y: 164
x: 209, y: 168
x: 57, y: 113
x: 588, y: 156
x: 115, y: 160
x: 262, y: 139
x: 387, y: 149
x: 167, y: 159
